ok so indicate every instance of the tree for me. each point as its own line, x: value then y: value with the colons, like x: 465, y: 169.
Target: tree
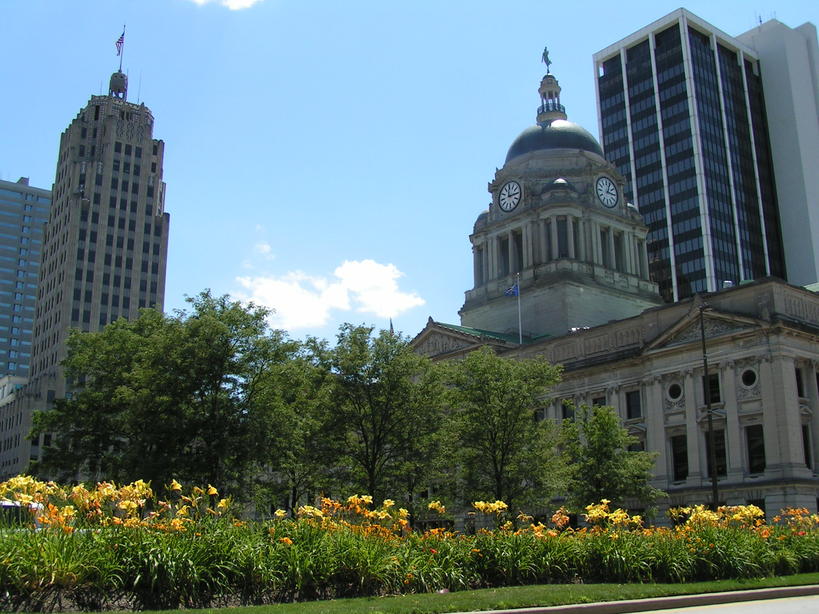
x: 291, y: 426
x: 165, y: 396
x: 600, y: 464
x: 385, y: 407
x: 503, y: 451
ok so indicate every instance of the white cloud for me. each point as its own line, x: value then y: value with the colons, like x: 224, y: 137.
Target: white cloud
x: 233, y: 5
x: 303, y: 301
x: 265, y: 249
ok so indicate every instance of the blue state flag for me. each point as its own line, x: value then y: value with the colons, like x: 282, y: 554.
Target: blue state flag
x: 513, y: 291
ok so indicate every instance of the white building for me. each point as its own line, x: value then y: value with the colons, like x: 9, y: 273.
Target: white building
x: 789, y: 64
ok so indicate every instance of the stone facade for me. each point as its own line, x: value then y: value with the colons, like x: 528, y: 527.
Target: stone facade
x: 560, y: 229
x: 561, y: 272
x: 762, y: 343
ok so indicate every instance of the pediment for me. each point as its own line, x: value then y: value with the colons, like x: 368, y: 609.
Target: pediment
x: 715, y: 324
x: 439, y: 340
x: 437, y: 343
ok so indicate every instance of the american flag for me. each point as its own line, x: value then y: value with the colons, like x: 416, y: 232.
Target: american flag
x: 120, y: 42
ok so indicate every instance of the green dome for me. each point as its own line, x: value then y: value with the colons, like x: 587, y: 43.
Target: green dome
x: 558, y: 134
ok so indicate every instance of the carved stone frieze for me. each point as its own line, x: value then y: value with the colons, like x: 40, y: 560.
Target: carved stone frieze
x: 713, y: 328
x: 677, y: 405
x: 802, y: 309
x: 437, y: 344
x: 745, y: 392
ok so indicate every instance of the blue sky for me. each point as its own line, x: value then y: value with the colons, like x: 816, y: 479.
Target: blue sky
x: 327, y: 159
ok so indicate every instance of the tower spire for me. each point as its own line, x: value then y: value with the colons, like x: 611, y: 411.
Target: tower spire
x: 550, y: 108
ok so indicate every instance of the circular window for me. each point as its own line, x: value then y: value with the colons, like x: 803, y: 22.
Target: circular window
x: 748, y: 378
x: 674, y: 392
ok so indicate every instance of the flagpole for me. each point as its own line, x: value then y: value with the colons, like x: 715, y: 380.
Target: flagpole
x: 520, y: 326
x: 122, y: 49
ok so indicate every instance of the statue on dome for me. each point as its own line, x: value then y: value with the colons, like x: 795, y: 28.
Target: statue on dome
x: 545, y: 59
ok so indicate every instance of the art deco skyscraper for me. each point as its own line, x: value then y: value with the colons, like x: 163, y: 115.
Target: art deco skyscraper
x: 105, y: 243
x: 683, y: 117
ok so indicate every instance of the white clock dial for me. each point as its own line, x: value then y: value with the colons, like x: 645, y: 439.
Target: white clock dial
x: 509, y: 195
x: 606, y: 192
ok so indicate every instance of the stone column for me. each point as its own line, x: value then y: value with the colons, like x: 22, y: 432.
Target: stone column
x: 644, y: 258
x: 582, y: 226
x: 655, y: 426
x: 692, y: 428
x: 628, y: 248
x: 492, y: 257
x: 610, y: 247
x: 733, y: 432
x: 477, y: 264
x: 570, y: 235
x: 526, y: 245
x: 553, y: 228
x: 812, y: 389
x: 787, y: 436
x: 597, y: 254
x: 512, y: 254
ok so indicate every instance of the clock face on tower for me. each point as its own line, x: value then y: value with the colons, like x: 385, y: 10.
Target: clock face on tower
x: 509, y: 195
x: 606, y: 192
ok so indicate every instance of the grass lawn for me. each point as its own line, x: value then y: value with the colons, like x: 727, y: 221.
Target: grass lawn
x: 512, y: 597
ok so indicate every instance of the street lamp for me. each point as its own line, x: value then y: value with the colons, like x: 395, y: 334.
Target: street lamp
x: 712, y: 449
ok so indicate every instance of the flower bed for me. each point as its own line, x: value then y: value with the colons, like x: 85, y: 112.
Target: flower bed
x: 124, y: 547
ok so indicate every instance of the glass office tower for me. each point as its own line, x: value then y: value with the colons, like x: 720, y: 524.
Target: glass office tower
x: 682, y: 117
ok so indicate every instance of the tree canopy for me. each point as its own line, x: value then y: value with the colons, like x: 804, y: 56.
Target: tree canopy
x: 164, y: 396
x: 599, y: 463
x: 213, y: 395
x: 385, y: 407
x: 503, y: 450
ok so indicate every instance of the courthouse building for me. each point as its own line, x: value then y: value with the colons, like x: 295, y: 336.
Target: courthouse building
x: 561, y: 271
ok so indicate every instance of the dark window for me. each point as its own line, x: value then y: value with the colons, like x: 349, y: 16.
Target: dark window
x: 598, y: 401
x: 719, y: 448
x: 674, y: 392
x: 806, y: 445
x: 117, y: 147
x: 800, y: 386
x: 562, y: 238
x: 713, y: 388
x: 679, y: 457
x: 633, y: 409
x: 756, y: 448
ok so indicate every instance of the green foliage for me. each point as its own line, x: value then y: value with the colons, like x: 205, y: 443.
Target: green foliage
x: 502, y: 450
x: 385, y: 412
x: 291, y: 444
x: 599, y: 464
x: 165, y: 396
x: 217, y: 561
